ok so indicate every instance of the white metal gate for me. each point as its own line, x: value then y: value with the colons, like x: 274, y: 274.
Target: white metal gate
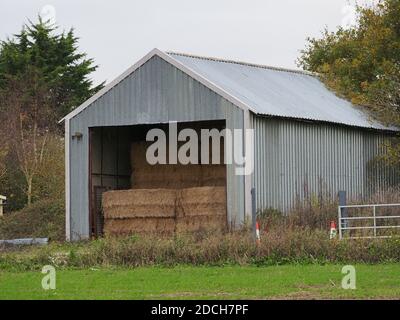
x: 344, y: 221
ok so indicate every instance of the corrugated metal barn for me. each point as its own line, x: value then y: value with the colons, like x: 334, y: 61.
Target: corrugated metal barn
x: 307, y: 140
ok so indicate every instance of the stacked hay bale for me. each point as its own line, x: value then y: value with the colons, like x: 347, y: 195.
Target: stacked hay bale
x: 213, y: 175
x: 201, y: 208
x: 146, y: 176
x: 167, y: 198
x: 164, y: 210
x: 141, y: 210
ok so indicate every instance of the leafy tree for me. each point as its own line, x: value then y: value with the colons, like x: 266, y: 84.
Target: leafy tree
x: 3, y: 168
x: 42, y: 77
x: 25, y: 121
x: 56, y: 62
x: 363, y: 62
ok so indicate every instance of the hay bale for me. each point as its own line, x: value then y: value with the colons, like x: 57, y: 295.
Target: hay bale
x: 203, y: 201
x: 140, y: 203
x: 138, y: 153
x: 197, y: 223
x: 146, y: 176
x: 164, y: 210
x: 213, y: 175
x: 166, y: 176
x: 138, y: 225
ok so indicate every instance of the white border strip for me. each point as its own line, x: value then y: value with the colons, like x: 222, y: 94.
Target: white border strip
x: 247, y: 124
x: 67, y: 184
x: 212, y: 86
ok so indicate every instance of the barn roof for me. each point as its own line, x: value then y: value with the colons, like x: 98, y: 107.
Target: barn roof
x: 262, y: 89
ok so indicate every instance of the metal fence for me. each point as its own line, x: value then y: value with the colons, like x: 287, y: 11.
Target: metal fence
x: 344, y: 220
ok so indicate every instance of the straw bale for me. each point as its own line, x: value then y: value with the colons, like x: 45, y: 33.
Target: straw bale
x: 139, y: 225
x: 139, y: 203
x: 203, y: 201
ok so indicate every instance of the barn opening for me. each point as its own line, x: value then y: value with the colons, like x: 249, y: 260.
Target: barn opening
x: 128, y: 195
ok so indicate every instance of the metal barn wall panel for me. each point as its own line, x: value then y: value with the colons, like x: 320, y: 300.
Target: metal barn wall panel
x: 156, y: 92
x: 295, y: 160
x: 235, y: 191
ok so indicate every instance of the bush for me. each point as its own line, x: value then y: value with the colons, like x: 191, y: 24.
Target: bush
x: 43, y: 219
x: 316, y: 213
x: 299, y: 246
x: 301, y: 237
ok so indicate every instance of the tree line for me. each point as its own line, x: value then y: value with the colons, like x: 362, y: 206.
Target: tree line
x: 43, y: 76
x: 362, y: 63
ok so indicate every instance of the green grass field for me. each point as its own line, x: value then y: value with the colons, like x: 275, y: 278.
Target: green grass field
x: 185, y: 282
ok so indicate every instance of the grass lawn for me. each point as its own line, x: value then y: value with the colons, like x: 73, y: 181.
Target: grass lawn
x: 185, y: 282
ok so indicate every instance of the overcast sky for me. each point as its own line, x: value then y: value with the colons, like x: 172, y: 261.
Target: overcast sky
x: 116, y: 33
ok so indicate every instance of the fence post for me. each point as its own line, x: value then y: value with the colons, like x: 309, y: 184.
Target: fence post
x: 253, y: 211
x: 374, y: 212
x: 2, y: 200
x: 343, y: 211
x: 339, y: 222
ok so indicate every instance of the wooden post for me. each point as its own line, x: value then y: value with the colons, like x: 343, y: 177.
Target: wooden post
x: 2, y: 200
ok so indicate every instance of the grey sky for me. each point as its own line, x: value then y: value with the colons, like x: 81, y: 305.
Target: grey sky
x: 116, y: 33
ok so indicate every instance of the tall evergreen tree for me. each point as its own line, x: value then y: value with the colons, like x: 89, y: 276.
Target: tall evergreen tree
x: 54, y: 59
x: 42, y: 78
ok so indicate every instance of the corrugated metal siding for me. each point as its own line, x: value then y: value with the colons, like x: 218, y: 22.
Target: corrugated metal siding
x: 236, y: 191
x: 292, y: 159
x: 295, y: 160
x: 274, y: 92
x: 156, y: 92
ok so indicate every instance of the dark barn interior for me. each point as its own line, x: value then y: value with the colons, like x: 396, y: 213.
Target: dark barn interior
x: 117, y: 161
